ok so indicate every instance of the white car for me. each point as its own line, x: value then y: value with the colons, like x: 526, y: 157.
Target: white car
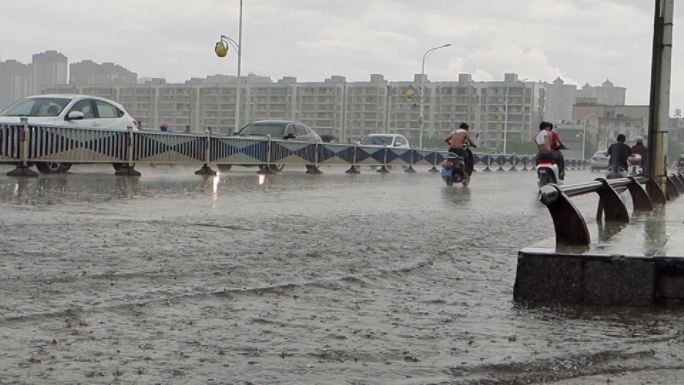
x: 72, y: 111
x: 76, y: 111
x: 382, y: 140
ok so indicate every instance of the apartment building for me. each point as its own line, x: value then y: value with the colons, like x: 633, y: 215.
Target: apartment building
x: 605, y: 122
x: 510, y: 108
x: 87, y: 72
x: 15, y: 82
x: 47, y: 69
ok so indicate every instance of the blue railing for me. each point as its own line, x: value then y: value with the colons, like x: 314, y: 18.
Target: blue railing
x: 27, y: 144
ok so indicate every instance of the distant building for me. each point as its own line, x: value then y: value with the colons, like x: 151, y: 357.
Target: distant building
x: 15, y: 82
x: 605, y: 122
x: 560, y: 98
x: 510, y: 108
x: 48, y: 69
x: 607, y: 94
x: 88, y: 72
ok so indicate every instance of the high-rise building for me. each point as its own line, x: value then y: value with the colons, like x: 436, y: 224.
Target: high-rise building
x: 48, y: 69
x: 560, y: 98
x: 88, y: 72
x: 606, y: 94
x: 508, y: 110
x: 15, y: 82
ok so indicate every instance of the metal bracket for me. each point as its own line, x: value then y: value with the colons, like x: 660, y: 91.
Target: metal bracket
x: 655, y: 192
x: 678, y: 182
x: 571, y: 229
x: 640, y: 199
x: 610, y: 203
x: 672, y: 189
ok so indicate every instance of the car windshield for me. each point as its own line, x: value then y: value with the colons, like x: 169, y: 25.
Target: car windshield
x: 263, y: 129
x: 37, y: 107
x: 377, y: 140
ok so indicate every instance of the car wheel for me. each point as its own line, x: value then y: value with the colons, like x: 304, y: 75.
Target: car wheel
x: 53, y: 167
x: 225, y: 167
x: 277, y: 167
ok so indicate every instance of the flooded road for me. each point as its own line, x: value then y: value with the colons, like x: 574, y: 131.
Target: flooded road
x: 297, y: 279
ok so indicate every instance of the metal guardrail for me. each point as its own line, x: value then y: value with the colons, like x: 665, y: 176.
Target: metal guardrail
x: 569, y: 224
x: 26, y: 144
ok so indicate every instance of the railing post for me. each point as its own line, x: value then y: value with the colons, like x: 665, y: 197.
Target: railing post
x: 568, y: 222
x: 23, y: 167
x: 384, y: 169
x: 353, y: 169
x: 313, y: 169
x: 489, y: 163
x: 611, y: 204
x: 656, y: 194
x: 205, y: 170
x: 514, y: 161
x: 640, y: 199
x: 434, y: 162
x: 410, y: 167
x: 128, y: 168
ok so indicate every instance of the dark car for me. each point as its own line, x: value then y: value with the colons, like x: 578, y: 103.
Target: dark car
x: 280, y: 129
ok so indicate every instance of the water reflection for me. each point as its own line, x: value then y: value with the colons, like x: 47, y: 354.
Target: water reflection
x: 457, y: 196
x: 655, y: 232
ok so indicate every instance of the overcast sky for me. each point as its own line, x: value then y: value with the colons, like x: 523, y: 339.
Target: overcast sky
x: 583, y: 41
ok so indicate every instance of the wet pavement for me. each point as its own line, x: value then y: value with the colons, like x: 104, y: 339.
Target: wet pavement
x: 297, y: 279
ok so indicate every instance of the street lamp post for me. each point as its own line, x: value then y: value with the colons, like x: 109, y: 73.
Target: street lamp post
x: 421, y: 117
x: 221, y: 50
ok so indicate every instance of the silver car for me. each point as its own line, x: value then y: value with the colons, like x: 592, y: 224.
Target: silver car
x: 599, y: 161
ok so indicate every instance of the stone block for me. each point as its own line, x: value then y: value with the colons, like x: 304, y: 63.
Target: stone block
x: 548, y: 278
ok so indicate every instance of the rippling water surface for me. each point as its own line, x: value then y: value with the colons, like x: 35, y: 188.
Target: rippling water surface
x: 296, y: 279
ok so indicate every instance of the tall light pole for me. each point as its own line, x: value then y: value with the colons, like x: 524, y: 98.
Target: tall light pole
x: 221, y: 50
x: 421, y: 117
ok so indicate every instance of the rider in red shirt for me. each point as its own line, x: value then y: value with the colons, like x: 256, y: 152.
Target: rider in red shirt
x: 556, y: 146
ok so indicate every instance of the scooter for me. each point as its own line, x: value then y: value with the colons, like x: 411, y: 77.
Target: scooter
x: 614, y: 172
x: 453, y: 170
x: 547, y: 172
x: 635, y: 164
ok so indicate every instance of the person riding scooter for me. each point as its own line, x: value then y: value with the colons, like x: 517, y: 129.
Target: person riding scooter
x: 460, y: 143
x: 556, y: 154
x: 543, y: 142
x: 619, y: 156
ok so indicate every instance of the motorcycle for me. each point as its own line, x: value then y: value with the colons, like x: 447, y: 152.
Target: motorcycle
x: 453, y: 170
x: 547, y: 172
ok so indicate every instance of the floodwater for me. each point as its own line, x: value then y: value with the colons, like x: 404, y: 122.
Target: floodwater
x: 297, y: 279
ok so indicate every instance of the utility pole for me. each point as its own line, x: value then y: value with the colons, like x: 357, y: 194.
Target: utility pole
x: 661, y: 69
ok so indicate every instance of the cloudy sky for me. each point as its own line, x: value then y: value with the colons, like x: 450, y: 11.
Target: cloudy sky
x: 583, y: 41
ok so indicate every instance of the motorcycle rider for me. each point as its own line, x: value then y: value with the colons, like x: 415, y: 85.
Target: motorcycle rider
x: 543, y: 142
x: 556, y: 146
x: 457, y: 141
x: 619, y: 153
x: 642, y: 151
